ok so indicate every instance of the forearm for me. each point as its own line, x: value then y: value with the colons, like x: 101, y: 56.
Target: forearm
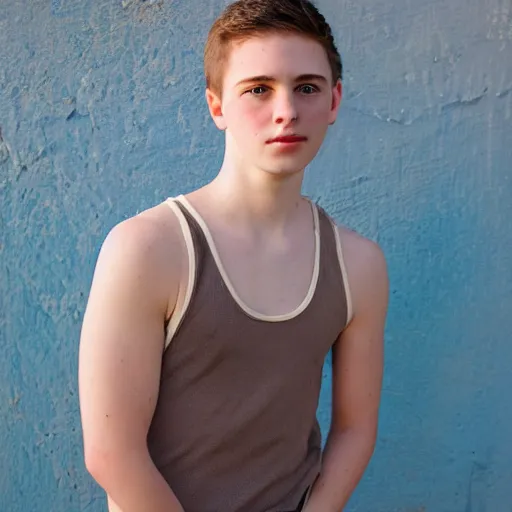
x: 345, y: 459
x: 134, y: 484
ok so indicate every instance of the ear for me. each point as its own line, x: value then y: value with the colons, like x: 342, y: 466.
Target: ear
x: 215, y: 107
x: 337, y: 93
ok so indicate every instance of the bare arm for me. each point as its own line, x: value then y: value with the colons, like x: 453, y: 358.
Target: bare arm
x: 119, y: 364
x: 357, y: 378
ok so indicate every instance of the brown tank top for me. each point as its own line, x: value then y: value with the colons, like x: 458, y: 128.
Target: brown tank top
x: 235, y: 426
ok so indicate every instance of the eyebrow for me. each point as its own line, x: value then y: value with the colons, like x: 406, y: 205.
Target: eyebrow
x: 264, y: 78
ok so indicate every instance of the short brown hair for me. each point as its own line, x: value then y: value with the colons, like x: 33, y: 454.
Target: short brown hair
x: 247, y: 18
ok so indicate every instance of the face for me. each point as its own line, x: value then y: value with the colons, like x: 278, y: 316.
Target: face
x: 277, y: 102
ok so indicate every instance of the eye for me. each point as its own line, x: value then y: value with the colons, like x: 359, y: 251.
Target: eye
x: 258, y: 90
x: 308, y: 88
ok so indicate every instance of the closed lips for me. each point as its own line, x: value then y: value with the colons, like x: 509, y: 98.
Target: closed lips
x: 287, y: 139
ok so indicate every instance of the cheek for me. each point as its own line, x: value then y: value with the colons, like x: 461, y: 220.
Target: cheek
x: 248, y: 116
x: 317, y: 114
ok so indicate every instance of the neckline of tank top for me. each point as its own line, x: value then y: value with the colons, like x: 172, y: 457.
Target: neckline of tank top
x: 227, y: 281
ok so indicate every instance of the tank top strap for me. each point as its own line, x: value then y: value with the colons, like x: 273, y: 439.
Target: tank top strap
x: 195, y: 244
x: 332, y: 255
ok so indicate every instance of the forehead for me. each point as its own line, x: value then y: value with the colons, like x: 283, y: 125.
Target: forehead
x: 283, y: 56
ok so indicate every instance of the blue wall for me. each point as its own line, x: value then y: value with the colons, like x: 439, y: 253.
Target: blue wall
x: 102, y: 115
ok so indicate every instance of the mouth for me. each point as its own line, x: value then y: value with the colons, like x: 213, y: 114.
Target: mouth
x: 287, y: 139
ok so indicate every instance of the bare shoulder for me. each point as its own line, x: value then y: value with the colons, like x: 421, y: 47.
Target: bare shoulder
x: 147, y: 248
x: 366, y: 269
x: 361, y: 252
x: 148, y: 235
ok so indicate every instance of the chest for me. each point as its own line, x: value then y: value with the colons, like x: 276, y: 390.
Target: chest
x: 272, y: 279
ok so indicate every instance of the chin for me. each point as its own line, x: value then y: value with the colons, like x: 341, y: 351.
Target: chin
x: 282, y: 167
x: 284, y: 171
x: 285, y: 166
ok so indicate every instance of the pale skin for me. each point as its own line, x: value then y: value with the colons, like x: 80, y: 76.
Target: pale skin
x: 262, y: 227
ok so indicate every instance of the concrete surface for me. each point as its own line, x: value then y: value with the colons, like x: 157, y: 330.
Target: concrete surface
x: 102, y: 115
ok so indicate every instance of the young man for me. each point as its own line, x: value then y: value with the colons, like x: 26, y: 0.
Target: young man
x: 210, y: 315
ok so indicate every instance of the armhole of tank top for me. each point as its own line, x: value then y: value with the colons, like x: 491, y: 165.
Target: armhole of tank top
x: 177, y: 316
x: 344, y: 273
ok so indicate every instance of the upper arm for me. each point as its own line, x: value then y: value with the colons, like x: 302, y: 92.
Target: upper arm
x: 122, y: 339
x: 358, y: 353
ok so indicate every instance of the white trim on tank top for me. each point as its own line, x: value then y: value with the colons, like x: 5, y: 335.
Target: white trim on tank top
x: 224, y: 275
x: 344, y: 273
x: 177, y: 316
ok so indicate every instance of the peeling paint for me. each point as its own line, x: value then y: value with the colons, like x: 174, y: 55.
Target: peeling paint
x: 4, y: 149
x: 468, y: 101
x: 504, y: 92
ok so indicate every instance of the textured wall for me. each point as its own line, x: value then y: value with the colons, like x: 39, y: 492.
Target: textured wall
x: 102, y: 115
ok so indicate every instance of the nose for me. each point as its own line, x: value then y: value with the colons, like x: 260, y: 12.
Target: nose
x: 285, y: 109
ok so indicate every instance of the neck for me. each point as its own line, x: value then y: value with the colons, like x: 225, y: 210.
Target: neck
x: 257, y: 199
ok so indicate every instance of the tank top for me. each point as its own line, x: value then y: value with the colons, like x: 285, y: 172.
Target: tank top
x: 235, y: 427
